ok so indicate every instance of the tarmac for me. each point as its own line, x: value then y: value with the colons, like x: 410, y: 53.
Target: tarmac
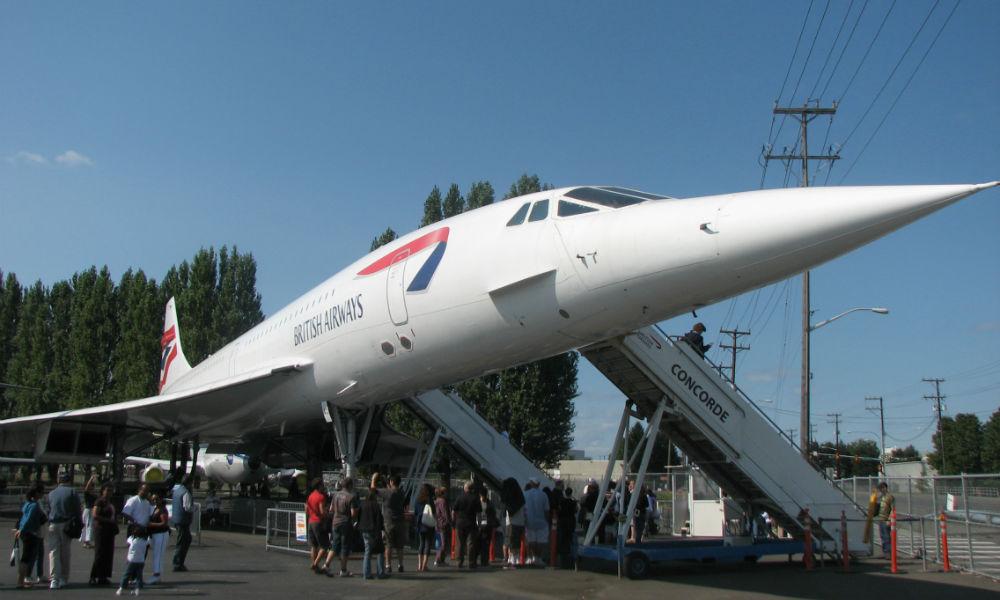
x: 236, y: 565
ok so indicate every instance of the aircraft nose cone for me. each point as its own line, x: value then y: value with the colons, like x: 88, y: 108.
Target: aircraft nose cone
x: 800, y: 228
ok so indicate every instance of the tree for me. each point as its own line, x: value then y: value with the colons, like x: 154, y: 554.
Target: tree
x: 453, y: 202
x: 387, y: 236
x: 11, y: 296
x: 136, y: 356
x: 906, y: 454
x: 526, y: 184
x: 664, y: 453
x: 91, y: 335
x: 990, y: 456
x: 237, y: 301
x: 432, y: 208
x: 864, y: 459
x: 31, y: 356
x: 963, y: 442
x: 480, y: 194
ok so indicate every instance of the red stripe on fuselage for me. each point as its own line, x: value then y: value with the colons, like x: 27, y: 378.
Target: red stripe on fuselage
x: 440, y: 235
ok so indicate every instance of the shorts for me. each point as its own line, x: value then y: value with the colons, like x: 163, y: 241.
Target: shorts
x: 318, y: 535
x: 395, y: 534
x: 341, y: 539
x: 539, y: 535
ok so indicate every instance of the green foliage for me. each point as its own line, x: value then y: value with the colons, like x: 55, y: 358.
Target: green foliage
x: 31, y: 357
x: 480, y: 194
x: 962, y: 441
x: 453, y: 202
x: 526, y: 184
x: 387, y: 236
x: 11, y: 297
x: 432, y: 208
x: 664, y: 453
x: 87, y: 342
x: 990, y: 456
x: 906, y: 454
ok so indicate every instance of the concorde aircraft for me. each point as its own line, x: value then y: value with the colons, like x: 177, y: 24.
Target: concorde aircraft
x: 501, y: 285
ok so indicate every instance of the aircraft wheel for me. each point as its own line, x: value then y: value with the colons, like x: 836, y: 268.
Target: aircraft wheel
x: 637, y: 566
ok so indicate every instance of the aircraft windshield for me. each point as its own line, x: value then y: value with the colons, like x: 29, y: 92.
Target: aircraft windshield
x: 613, y: 197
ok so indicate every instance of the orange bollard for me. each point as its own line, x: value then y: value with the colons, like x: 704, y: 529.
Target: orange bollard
x: 807, y: 557
x: 892, y: 537
x: 524, y: 549
x: 454, y: 538
x: 944, y: 541
x: 843, y: 542
x: 493, y: 545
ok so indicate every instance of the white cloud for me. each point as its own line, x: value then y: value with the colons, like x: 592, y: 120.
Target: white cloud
x: 23, y: 157
x: 71, y: 158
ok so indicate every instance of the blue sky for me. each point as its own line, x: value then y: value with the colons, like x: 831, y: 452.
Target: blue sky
x: 132, y: 134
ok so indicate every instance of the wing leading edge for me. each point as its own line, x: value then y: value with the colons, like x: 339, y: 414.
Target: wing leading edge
x: 221, y: 411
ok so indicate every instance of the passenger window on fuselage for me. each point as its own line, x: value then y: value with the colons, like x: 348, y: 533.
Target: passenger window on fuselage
x: 539, y: 211
x: 568, y: 209
x: 518, y: 217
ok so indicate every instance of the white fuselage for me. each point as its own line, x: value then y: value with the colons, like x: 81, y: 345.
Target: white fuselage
x: 473, y: 294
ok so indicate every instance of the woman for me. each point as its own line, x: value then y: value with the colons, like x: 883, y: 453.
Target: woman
x: 159, y: 532
x: 426, y: 525
x: 105, y: 530
x: 87, y: 537
x: 512, y: 498
x: 443, y: 514
x: 370, y: 523
x: 29, y: 532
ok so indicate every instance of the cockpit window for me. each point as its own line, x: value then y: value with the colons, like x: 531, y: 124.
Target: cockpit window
x: 614, y: 197
x: 539, y: 211
x: 518, y: 217
x: 568, y: 209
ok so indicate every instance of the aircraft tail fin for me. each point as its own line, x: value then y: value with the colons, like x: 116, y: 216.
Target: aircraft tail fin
x: 173, y: 364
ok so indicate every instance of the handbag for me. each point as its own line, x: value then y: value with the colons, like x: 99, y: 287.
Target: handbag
x: 74, y: 527
x: 427, y: 519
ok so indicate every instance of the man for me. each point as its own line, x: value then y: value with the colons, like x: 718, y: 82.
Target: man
x: 465, y: 515
x: 138, y: 509
x: 536, y: 517
x: 64, y: 504
x: 182, y: 513
x: 316, y: 517
x: 696, y: 341
x: 394, y: 517
x: 886, y: 504
x: 344, y: 508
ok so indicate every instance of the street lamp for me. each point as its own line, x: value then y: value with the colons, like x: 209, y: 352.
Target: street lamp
x: 806, y: 330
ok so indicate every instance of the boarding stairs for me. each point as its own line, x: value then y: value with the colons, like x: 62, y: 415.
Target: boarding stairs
x: 486, y: 450
x: 724, y: 433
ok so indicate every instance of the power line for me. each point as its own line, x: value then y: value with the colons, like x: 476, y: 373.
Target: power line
x: 938, y: 397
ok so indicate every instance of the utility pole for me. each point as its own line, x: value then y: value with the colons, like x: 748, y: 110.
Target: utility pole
x: 836, y: 444
x: 881, y: 416
x: 735, y: 333
x: 803, y: 115
x: 937, y: 397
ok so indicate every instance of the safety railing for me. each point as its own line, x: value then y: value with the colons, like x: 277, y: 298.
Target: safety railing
x: 285, y: 530
x: 964, y: 507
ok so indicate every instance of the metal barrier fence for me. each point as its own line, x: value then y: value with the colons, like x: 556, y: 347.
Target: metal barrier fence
x: 252, y: 512
x: 969, y: 503
x: 285, y: 530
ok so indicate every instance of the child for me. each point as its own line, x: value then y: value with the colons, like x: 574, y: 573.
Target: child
x: 137, y: 543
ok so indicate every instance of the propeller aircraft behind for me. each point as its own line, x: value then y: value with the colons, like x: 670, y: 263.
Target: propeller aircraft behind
x: 501, y: 285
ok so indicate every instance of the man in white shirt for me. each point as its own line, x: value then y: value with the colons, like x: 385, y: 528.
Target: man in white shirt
x: 138, y: 509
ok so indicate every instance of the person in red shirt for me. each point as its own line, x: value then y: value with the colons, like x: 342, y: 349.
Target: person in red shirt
x: 318, y: 522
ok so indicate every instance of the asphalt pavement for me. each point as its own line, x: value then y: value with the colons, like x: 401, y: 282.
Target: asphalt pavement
x: 236, y: 565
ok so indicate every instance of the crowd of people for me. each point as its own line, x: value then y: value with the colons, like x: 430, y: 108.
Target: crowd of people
x: 94, y: 521
x: 518, y: 529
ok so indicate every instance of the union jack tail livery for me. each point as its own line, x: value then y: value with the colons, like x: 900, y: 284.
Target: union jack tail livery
x: 173, y: 364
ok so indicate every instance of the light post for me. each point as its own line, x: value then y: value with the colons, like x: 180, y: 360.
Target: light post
x: 804, y: 414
